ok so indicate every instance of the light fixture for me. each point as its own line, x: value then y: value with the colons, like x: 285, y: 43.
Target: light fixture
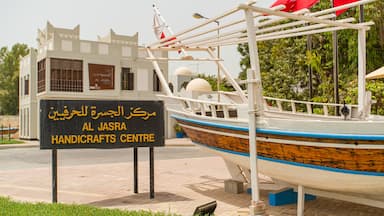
x: 198, y: 16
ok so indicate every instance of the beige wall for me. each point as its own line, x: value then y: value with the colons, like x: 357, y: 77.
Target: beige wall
x: 6, y: 120
x: 113, y: 49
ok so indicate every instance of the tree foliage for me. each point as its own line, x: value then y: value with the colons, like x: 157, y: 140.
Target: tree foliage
x: 9, y: 78
x: 212, y: 80
x: 284, y: 63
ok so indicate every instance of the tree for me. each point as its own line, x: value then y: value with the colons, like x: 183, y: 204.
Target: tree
x: 282, y: 65
x: 284, y: 62
x: 212, y: 80
x: 9, y: 78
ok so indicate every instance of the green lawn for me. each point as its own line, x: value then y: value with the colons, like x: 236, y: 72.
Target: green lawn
x: 12, y: 208
x: 5, y: 140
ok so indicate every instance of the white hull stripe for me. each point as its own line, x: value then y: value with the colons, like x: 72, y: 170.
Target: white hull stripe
x: 288, y: 142
x: 330, y: 169
x: 285, y: 133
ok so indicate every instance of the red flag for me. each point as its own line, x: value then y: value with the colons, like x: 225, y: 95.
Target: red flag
x: 289, y: 4
x: 295, y: 5
x: 301, y: 4
x: 159, y: 28
x: 337, y: 3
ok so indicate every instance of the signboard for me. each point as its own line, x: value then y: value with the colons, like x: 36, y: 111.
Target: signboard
x: 101, y: 76
x: 69, y: 124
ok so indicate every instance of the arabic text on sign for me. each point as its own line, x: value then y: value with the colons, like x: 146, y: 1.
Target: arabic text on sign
x: 66, y: 114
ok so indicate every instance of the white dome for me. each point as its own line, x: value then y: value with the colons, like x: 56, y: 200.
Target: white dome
x: 184, y: 71
x: 199, y: 84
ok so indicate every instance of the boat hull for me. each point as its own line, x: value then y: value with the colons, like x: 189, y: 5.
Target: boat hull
x: 308, y: 177
x: 7, y: 131
x: 335, y: 164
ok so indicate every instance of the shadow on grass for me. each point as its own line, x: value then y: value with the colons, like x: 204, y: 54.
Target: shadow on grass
x: 141, y: 198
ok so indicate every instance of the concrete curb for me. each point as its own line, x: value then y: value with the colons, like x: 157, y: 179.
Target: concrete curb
x: 28, y: 145
x: 178, y: 142
x: 183, y: 142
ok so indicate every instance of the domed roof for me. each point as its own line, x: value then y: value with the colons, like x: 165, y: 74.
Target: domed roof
x: 199, y: 84
x: 183, y: 71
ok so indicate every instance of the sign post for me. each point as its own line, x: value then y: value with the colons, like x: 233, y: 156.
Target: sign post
x: 67, y: 124
x: 151, y: 174
x: 54, y: 175
x: 135, y: 184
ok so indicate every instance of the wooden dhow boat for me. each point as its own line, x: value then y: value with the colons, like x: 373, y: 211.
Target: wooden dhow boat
x: 8, y: 131
x: 340, y: 153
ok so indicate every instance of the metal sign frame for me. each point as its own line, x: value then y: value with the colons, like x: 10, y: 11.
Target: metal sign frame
x: 67, y: 124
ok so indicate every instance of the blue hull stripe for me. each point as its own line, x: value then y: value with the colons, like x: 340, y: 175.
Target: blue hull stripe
x: 297, y: 164
x: 285, y: 133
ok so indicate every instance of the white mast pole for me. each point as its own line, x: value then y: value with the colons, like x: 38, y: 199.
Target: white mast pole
x: 162, y: 19
x: 228, y: 75
x: 159, y: 73
x: 166, y: 25
x: 361, y: 72
x: 254, y: 92
x: 362, y: 61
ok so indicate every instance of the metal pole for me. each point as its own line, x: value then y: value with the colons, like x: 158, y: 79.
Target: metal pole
x: 135, y: 169
x: 151, y: 174
x: 361, y: 18
x: 2, y: 132
x: 54, y: 175
x: 199, y: 16
x: 335, y: 67
x: 254, y: 95
x: 230, y: 78
x: 218, y: 67
x: 9, y: 132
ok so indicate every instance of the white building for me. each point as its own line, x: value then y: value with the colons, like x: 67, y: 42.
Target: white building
x: 65, y: 67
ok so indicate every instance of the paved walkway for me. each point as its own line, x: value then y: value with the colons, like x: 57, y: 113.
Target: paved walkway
x: 180, y: 186
x: 35, y: 143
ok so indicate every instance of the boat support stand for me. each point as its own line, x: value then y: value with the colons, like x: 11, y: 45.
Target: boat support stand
x: 364, y: 200
x: 300, y: 200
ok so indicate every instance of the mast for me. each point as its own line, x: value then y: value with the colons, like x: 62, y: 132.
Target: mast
x: 157, y: 12
x: 159, y: 73
x: 254, y: 96
x: 335, y: 65
x: 361, y: 67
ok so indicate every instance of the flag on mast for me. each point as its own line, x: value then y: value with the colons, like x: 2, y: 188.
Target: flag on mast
x: 158, y: 27
x: 294, y: 5
x: 337, y: 3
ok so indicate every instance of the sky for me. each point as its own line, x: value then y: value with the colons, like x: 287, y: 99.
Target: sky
x: 20, y: 19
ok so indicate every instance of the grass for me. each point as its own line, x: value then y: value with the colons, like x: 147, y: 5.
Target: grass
x: 12, y: 208
x: 5, y: 140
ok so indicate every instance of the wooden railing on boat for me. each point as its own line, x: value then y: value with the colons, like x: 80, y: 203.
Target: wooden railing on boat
x: 206, y: 108
x: 271, y: 105
x: 306, y: 107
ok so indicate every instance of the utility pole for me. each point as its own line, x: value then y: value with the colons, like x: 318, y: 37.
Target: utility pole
x: 335, y: 66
